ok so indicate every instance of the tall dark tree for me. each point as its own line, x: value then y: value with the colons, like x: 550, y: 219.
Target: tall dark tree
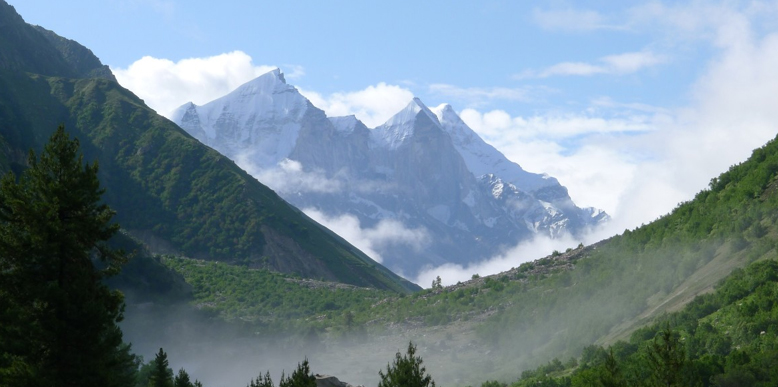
x: 611, y: 374
x: 161, y: 374
x: 666, y: 359
x: 182, y: 379
x: 406, y: 371
x: 59, y: 322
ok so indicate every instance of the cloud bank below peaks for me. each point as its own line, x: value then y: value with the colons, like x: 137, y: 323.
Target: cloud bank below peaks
x: 538, y: 247
x: 372, y: 240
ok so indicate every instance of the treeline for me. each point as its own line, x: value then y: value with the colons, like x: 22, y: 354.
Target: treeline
x: 727, y: 338
x: 406, y: 370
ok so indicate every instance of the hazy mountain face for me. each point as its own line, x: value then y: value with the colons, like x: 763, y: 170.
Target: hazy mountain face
x: 422, y: 189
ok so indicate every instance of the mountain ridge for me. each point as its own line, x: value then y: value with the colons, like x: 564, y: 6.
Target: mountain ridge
x: 422, y: 168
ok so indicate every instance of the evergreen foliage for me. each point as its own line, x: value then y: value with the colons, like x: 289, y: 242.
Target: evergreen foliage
x: 182, y: 379
x: 262, y: 381
x: 301, y: 377
x: 59, y: 321
x: 666, y: 359
x: 161, y: 374
x: 406, y: 371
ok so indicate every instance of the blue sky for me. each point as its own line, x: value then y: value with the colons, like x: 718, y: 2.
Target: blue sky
x: 348, y: 45
x: 633, y: 105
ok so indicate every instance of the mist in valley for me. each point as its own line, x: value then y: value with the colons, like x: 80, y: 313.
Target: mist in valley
x: 557, y: 318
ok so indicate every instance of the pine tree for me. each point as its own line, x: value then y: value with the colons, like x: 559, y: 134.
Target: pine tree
x: 262, y: 381
x: 161, y: 374
x: 406, y: 371
x: 666, y: 359
x: 611, y: 374
x: 182, y: 379
x: 53, y: 226
x: 301, y: 377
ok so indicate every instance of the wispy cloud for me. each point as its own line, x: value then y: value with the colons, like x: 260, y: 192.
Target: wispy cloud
x: 530, y: 250
x: 289, y: 177
x: 619, y: 64
x: 481, y: 95
x: 551, y: 126
x: 372, y: 240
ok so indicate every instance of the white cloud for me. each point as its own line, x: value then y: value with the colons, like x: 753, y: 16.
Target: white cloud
x: 451, y: 273
x: 569, y: 19
x: 373, y: 105
x: 571, y: 68
x: 371, y: 240
x: 631, y: 62
x: 165, y: 85
x: 619, y: 64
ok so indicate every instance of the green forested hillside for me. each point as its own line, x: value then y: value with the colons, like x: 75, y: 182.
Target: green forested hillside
x: 169, y: 190
x: 727, y: 338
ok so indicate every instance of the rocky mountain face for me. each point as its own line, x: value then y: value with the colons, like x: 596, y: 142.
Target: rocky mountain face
x: 424, y: 187
x: 169, y: 190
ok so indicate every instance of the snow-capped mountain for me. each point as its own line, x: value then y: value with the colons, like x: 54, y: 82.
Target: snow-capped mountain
x: 261, y: 117
x: 423, y: 187
x: 482, y: 158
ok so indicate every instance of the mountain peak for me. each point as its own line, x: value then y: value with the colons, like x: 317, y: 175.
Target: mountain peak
x: 409, y: 114
x: 277, y: 74
x: 403, y: 124
x: 447, y: 116
x: 482, y: 158
x: 271, y: 82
